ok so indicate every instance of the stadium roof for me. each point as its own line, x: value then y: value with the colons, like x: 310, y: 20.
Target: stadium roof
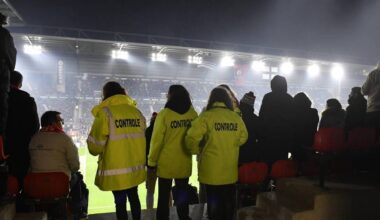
x: 14, y: 19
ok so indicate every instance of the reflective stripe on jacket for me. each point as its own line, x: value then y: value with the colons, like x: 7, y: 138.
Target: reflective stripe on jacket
x: 117, y: 138
x: 167, y: 150
x: 222, y: 132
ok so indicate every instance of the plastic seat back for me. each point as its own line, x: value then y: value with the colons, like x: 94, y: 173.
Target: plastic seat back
x: 361, y: 139
x: 13, y: 187
x: 283, y: 169
x: 329, y: 140
x: 49, y: 185
x: 254, y: 172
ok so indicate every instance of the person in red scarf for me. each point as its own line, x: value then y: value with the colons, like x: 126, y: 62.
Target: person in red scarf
x: 52, y: 150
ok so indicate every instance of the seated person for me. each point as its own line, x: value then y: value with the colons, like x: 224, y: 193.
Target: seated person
x: 52, y: 150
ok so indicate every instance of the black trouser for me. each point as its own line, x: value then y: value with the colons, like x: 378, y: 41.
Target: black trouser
x: 220, y: 201
x: 121, y: 203
x: 164, y: 187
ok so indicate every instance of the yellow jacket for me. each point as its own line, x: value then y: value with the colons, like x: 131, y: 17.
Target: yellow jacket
x: 167, y: 147
x: 222, y: 132
x: 117, y: 138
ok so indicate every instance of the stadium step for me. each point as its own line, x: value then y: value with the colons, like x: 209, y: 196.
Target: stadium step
x: 7, y: 211
x: 31, y: 216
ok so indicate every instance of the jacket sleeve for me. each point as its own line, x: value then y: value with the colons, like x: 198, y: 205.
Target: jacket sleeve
x: 35, y: 124
x: 157, y: 141
x: 72, y: 155
x: 243, y: 133
x: 97, y: 139
x: 195, y: 134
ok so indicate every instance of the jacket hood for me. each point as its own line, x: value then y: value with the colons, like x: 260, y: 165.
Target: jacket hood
x: 178, y: 106
x: 302, y: 101
x: 279, y: 84
x: 114, y: 100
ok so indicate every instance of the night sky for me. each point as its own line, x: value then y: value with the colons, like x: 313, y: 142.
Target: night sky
x: 347, y: 27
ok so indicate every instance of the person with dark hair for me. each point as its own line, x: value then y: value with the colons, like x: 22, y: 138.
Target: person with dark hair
x: 7, y: 64
x: 22, y: 124
x: 305, y: 127
x: 356, y: 110
x: 249, y: 151
x: 52, y: 150
x: 221, y: 132
x: 277, y: 117
x: 333, y: 116
x: 168, y: 153
x: 151, y: 173
x: 232, y: 95
x: 371, y: 88
x: 117, y: 137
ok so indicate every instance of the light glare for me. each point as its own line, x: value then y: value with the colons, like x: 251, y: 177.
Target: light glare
x: 32, y: 49
x: 120, y: 54
x: 258, y: 66
x: 160, y: 57
x: 227, y: 61
x: 287, y: 68
x: 337, y: 71
x: 194, y: 60
x: 313, y: 70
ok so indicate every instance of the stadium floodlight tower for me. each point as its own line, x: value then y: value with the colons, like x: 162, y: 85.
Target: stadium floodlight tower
x: 227, y: 61
x: 287, y: 68
x: 196, y: 59
x: 313, y: 70
x: 120, y: 53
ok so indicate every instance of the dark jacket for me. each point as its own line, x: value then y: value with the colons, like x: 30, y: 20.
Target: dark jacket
x: 332, y: 118
x: 277, y: 119
x: 306, y: 124
x: 355, y: 113
x: 7, y: 64
x: 148, y: 136
x: 22, y: 124
x: 249, y: 151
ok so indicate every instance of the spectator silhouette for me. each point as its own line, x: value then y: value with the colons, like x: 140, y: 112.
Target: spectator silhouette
x: 249, y: 151
x: 305, y: 126
x: 277, y: 118
x: 356, y: 109
x: 333, y: 116
x: 7, y: 64
x: 22, y: 124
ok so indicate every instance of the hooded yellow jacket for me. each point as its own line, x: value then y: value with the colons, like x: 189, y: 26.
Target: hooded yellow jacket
x: 117, y: 138
x: 167, y: 150
x: 222, y: 131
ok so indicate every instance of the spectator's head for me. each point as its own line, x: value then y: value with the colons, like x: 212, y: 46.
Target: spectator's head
x: 3, y: 19
x: 153, y: 118
x: 178, y: 99
x: 279, y: 84
x: 302, y: 101
x: 333, y: 104
x: 355, y: 95
x: 231, y: 93
x: 16, y: 79
x: 248, y: 99
x: 50, y: 118
x: 219, y: 94
x: 112, y: 88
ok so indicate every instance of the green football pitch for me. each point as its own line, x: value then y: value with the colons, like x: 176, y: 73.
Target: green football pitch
x: 102, y: 201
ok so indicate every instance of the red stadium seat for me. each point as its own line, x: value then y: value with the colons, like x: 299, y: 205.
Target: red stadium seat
x: 361, y: 139
x: 283, y: 169
x: 13, y: 187
x: 328, y: 140
x: 46, y: 185
x: 254, y: 172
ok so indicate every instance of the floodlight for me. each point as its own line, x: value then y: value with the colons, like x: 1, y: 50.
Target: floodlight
x: 160, y: 57
x: 120, y: 54
x: 287, y: 67
x: 194, y: 60
x: 337, y: 71
x: 227, y: 61
x: 258, y: 66
x: 32, y: 49
x: 313, y: 70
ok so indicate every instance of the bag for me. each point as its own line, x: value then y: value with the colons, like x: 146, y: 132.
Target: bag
x: 185, y: 195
